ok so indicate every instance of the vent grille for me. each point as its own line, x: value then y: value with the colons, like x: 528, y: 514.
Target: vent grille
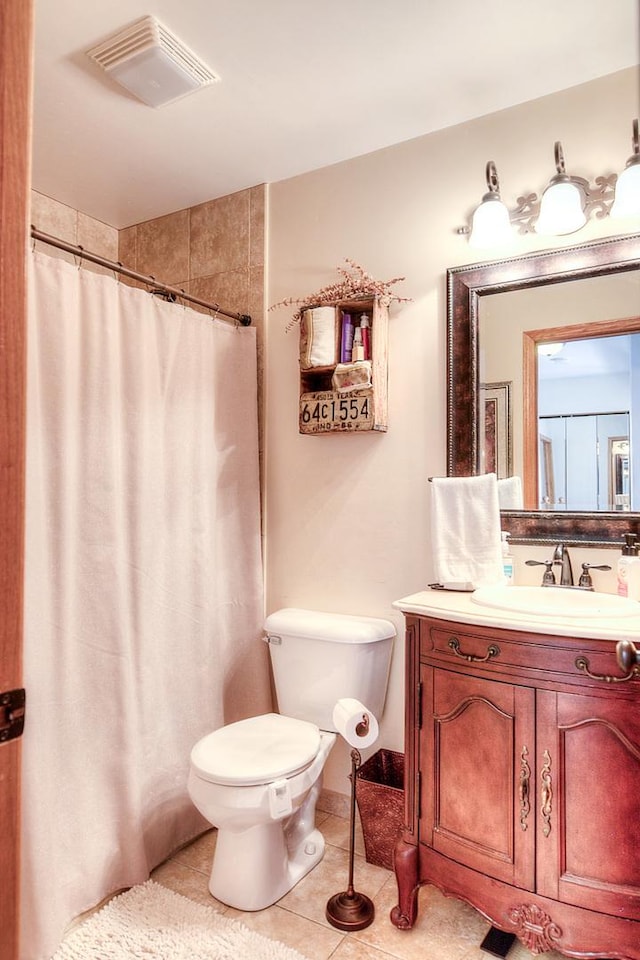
x: 142, y: 42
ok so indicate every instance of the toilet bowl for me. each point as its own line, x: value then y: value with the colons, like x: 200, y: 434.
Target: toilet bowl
x: 258, y: 781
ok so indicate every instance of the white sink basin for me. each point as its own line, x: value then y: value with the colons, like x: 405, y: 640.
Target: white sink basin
x: 556, y: 602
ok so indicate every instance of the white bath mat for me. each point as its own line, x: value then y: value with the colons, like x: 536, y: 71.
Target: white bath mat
x: 150, y: 922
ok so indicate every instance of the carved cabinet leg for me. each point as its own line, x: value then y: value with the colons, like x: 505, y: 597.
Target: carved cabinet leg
x: 404, y: 914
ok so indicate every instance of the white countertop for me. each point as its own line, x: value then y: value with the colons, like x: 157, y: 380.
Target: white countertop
x: 451, y: 605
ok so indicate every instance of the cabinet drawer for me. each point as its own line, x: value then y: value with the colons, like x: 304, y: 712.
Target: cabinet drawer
x: 531, y: 655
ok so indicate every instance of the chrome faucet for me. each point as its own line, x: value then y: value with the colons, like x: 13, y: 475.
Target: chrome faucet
x: 561, y: 556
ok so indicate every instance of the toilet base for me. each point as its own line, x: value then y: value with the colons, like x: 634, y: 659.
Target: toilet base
x: 253, y: 869
x: 255, y: 864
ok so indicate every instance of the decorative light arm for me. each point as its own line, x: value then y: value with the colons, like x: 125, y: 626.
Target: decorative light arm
x: 566, y: 204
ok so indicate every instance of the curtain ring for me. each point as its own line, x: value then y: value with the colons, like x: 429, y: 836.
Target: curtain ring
x: 78, y: 256
x: 214, y: 312
x: 116, y: 271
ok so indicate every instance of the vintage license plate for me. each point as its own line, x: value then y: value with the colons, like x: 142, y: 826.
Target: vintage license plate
x: 325, y: 411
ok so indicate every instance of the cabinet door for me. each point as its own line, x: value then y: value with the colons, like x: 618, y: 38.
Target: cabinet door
x: 589, y: 763
x: 476, y: 758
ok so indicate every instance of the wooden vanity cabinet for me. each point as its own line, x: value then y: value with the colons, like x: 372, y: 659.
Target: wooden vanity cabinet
x: 522, y: 785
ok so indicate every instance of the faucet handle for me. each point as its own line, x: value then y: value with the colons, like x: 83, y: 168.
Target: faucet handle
x: 585, y: 580
x: 548, y: 579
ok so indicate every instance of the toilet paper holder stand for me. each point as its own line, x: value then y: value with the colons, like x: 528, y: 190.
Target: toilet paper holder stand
x: 351, y: 910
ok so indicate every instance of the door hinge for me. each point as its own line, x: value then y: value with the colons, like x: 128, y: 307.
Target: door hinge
x: 12, y: 709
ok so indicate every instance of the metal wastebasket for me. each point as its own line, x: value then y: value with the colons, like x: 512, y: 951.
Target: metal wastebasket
x: 380, y: 799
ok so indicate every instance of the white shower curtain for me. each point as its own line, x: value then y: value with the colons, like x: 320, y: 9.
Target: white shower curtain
x: 143, y: 583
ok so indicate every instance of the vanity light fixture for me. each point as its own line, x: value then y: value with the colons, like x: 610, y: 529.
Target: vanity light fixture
x: 562, y: 207
x: 491, y: 224
x: 565, y: 207
x: 627, y: 201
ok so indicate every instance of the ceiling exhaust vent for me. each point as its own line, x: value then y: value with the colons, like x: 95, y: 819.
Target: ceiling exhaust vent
x: 152, y: 63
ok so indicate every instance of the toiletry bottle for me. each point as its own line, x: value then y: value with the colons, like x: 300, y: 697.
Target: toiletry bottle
x: 358, y: 349
x: 507, y: 559
x: 346, y: 342
x: 627, y: 567
x: 365, y: 327
x: 633, y: 576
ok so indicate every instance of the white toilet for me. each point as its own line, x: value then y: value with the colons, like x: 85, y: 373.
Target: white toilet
x: 258, y: 780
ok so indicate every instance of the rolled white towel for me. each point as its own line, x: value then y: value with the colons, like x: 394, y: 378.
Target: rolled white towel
x: 318, y: 337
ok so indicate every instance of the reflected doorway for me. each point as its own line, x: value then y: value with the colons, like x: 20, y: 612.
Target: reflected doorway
x: 584, y: 462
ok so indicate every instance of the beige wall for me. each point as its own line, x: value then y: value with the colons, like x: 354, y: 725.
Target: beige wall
x: 57, y: 219
x: 347, y: 517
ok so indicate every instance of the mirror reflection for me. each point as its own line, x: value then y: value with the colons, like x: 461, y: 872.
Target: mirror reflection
x: 559, y: 368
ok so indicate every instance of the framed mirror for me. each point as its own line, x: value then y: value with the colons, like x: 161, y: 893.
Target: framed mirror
x: 469, y: 290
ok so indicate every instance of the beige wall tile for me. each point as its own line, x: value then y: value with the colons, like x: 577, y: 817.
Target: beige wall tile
x: 257, y: 223
x: 128, y: 252
x: 97, y: 237
x: 256, y: 305
x: 54, y: 218
x: 163, y: 248
x: 220, y: 235
x: 61, y: 221
x: 128, y: 247
x: 230, y: 290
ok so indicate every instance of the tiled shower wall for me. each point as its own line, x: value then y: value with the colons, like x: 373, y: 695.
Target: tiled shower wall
x: 214, y: 251
x: 59, y: 220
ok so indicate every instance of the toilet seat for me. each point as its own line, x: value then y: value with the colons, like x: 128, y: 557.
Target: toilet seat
x: 256, y: 751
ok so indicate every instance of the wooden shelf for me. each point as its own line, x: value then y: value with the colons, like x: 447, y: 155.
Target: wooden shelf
x: 323, y: 409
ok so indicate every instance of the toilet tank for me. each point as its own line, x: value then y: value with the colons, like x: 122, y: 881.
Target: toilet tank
x: 318, y: 658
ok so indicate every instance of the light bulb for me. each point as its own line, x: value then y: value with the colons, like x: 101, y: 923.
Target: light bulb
x: 561, y: 208
x: 627, y: 199
x: 490, y: 226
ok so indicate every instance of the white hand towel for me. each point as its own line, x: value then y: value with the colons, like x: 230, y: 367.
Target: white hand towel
x: 466, y: 530
x: 510, y: 493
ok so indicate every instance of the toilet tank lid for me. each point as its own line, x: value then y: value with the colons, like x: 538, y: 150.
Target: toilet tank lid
x: 336, y: 627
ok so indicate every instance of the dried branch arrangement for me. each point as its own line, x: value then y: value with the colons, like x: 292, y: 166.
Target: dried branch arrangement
x: 354, y: 283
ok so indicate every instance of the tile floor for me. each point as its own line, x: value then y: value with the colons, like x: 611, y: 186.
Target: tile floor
x: 445, y: 929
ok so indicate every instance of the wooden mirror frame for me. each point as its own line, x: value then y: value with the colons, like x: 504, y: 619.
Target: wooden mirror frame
x: 465, y: 286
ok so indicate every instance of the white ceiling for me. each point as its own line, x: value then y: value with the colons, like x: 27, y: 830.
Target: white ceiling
x: 304, y: 84
x: 596, y: 357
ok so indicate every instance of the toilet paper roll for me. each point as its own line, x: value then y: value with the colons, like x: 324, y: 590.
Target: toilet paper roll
x: 355, y: 723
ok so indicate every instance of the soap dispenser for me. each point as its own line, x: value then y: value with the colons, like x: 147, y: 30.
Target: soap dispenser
x: 629, y: 569
x: 507, y: 559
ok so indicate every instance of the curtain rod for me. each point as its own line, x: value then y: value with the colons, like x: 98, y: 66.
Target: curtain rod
x: 162, y: 288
